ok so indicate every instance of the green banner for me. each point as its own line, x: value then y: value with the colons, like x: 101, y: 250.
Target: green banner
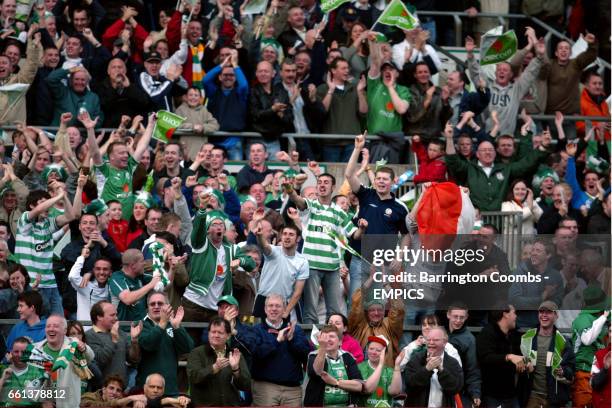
x: 397, y: 15
x: 329, y: 5
x: 256, y: 7
x: 167, y: 123
x: 497, y: 48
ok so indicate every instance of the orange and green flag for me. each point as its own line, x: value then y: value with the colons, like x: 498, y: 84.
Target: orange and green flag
x: 397, y: 15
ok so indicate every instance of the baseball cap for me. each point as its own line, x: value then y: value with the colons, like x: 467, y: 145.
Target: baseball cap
x: 152, y: 56
x: 227, y: 299
x: 548, y: 305
x: 389, y: 63
x: 349, y: 13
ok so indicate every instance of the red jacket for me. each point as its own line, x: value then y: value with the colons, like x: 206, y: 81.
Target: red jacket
x: 173, y: 35
x: 429, y: 170
x: 118, y: 231
x: 114, y: 31
x: 601, y: 398
x: 588, y: 107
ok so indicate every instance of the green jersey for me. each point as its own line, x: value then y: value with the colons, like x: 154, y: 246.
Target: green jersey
x: 119, y: 282
x: 34, y: 248
x: 22, y: 388
x: 118, y: 185
x: 380, y: 397
x: 334, y: 396
x: 320, y: 249
x: 382, y: 116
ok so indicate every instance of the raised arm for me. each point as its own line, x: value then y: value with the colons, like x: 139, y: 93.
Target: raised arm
x: 375, y: 58
x: 262, y: 242
x: 90, y: 125
x: 144, y: 141
x: 351, y: 168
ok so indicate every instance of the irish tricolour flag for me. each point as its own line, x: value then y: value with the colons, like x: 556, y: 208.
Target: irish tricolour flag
x: 445, y: 210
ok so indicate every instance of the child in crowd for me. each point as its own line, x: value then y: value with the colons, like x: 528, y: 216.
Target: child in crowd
x: 117, y: 227
x: 431, y: 160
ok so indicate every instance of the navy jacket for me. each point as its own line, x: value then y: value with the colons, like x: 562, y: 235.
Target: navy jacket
x: 279, y: 363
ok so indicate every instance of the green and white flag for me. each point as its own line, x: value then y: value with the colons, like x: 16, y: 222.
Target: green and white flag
x: 496, y: 46
x: 329, y: 5
x: 34, y: 355
x: 23, y: 9
x: 166, y: 125
x: 256, y: 7
x: 342, y: 243
x: 397, y: 15
x: 14, y: 93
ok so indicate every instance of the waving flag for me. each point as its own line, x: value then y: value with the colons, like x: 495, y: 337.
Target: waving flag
x: 329, y: 5
x: 496, y: 47
x: 397, y: 15
x: 166, y: 125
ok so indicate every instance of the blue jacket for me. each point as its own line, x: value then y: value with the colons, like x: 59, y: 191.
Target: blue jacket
x: 22, y: 329
x: 279, y: 363
x: 579, y: 196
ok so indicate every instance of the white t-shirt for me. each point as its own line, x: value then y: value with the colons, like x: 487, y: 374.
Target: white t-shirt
x: 280, y: 272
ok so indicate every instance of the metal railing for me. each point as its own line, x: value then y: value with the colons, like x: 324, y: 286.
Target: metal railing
x: 502, y: 21
x: 510, y: 226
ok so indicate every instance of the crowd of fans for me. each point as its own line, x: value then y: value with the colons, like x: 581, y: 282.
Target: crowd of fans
x: 116, y: 226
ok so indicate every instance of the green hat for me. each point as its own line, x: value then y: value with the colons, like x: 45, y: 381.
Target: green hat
x: 214, y: 215
x: 54, y: 168
x: 543, y: 173
x: 7, y: 187
x: 219, y: 196
x: 247, y: 197
x: 595, y: 299
x: 203, y: 179
x: 290, y: 173
x: 278, y: 48
x: 597, y: 164
x: 144, y: 198
x: 228, y: 299
x: 97, y: 207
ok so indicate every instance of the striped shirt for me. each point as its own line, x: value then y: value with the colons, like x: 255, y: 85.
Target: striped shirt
x: 34, y: 248
x: 319, y: 248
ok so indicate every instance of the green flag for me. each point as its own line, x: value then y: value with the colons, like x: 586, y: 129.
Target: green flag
x: 496, y: 47
x: 15, y: 94
x: 167, y: 123
x: 256, y: 7
x: 329, y: 5
x: 397, y: 15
